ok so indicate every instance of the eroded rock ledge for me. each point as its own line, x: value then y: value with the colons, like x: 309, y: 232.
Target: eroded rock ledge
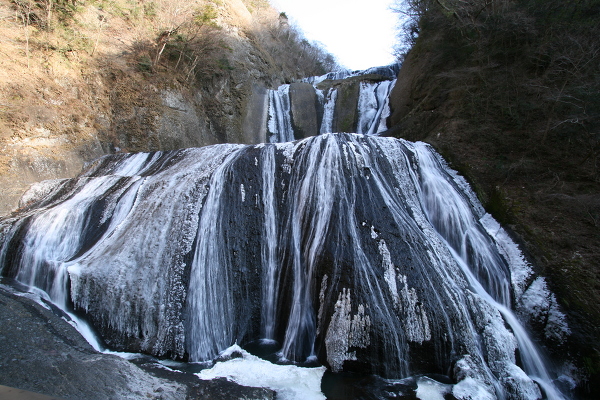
x: 41, y: 352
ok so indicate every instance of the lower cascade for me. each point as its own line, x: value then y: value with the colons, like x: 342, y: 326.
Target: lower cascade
x: 361, y: 253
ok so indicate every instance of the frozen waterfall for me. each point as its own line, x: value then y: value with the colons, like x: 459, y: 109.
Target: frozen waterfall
x: 360, y: 253
x: 366, y: 93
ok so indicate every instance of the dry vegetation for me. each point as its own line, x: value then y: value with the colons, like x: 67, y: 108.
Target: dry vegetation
x: 79, y: 79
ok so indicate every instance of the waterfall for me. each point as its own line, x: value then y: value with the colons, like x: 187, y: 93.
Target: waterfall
x: 485, y: 269
x: 371, y: 104
x: 362, y: 253
x: 269, y: 245
x: 374, y: 107
x: 210, y: 327
x: 280, y: 123
x: 328, y: 111
x: 448, y: 210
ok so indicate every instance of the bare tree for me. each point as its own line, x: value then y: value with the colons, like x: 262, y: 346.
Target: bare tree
x: 24, y: 13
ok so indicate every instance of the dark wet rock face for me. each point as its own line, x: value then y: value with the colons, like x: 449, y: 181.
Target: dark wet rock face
x: 41, y: 352
x: 304, y: 110
x: 347, y: 116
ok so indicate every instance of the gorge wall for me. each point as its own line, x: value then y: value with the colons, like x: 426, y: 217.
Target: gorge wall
x: 85, y: 79
x: 507, y: 92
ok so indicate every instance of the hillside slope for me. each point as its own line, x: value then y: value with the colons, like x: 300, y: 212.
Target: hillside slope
x: 508, y: 91
x: 79, y: 79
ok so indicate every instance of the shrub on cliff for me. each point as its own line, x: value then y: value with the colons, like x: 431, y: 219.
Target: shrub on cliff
x: 520, y: 64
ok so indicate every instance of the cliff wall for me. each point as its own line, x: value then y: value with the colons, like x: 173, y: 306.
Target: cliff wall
x: 79, y: 79
x: 508, y: 92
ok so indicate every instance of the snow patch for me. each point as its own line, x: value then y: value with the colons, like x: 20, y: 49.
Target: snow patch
x: 428, y: 389
x: 289, y: 381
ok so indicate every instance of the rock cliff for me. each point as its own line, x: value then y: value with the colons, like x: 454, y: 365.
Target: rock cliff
x: 85, y: 79
x: 508, y: 95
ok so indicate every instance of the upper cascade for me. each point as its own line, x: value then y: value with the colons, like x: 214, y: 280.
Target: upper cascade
x: 343, y: 101
x: 365, y: 254
x: 388, y: 71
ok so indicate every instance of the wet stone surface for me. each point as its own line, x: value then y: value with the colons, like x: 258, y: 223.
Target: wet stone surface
x: 42, y: 353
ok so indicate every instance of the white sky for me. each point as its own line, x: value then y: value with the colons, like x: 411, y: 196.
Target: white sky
x: 359, y: 33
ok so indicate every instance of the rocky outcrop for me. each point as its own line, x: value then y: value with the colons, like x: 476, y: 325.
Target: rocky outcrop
x: 304, y: 105
x: 41, y: 352
x: 111, y: 94
x: 412, y: 92
x: 254, y: 127
x: 345, y: 108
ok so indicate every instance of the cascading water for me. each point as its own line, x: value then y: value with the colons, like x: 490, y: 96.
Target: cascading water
x: 280, y: 123
x: 328, y: 111
x: 269, y: 245
x: 373, y: 103
x: 363, y: 253
x: 486, y: 271
x: 374, y: 87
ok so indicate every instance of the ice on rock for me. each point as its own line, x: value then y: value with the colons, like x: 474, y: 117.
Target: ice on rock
x: 520, y: 270
x: 470, y: 389
x: 429, y: 389
x: 350, y: 247
x: 540, y: 305
x: 39, y: 190
x: 346, y: 331
x: 290, y: 382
